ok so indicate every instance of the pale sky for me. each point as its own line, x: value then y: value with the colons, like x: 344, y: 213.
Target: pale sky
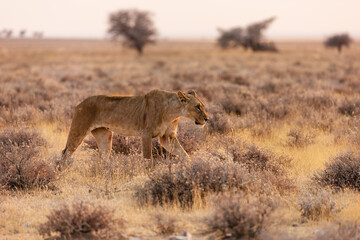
x: 184, y: 18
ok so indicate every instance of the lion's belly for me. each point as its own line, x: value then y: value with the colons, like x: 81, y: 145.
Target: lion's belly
x: 130, y: 129
x: 125, y: 129
x: 126, y: 132
x: 121, y: 130
x: 160, y: 130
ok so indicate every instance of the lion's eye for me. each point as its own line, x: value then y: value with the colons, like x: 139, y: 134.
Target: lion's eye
x: 198, y: 107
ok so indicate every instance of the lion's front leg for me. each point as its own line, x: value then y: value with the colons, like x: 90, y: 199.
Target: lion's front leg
x: 147, y: 147
x: 172, y: 145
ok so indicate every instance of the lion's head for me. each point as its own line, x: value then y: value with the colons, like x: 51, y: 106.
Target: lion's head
x: 194, y: 108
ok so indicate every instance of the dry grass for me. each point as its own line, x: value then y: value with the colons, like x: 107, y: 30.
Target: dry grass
x: 339, y: 230
x: 81, y: 221
x: 21, y: 165
x: 165, y: 224
x: 240, y: 216
x: 186, y: 184
x: 316, y: 204
x: 276, y: 119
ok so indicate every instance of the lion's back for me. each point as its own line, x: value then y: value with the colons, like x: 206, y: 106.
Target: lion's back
x: 134, y: 112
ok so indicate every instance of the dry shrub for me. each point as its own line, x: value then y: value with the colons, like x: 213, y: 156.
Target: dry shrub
x: 78, y: 81
x: 32, y: 92
x: 280, y: 234
x: 101, y: 73
x: 206, y: 91
x: 270, y: 168
x: 118, y: 167
x: 281, y: 182
x: 261, y: 109
x: 262, y: 129
x: 219, y: 121
x: 240, y: 216
x: 21, y: 166
x: 353, y: 133
x: 320, y: 102
x: 256, y: 158
x: 339, y: 230
x: 126, y: 145
x: 120, y: 144
x: 322, y: 120
x: 160, y: 154
x: 270, y: 87
x: 113, y: 172
x: 81, y: 220
x: 350, y: 107
x: 26, y: 98
x: 186, y: 183
x: 343, y: 171
x: 131, y: 146
x: 164, y: 224
x: 233, y: 78
x: 191, y: 76
x: 235, y: 105
x: 273, y: 108
x: 349, y: 132
x: 25, y: 114
x: 316, y: 204
x: 235, y: 99
x: 299, y: 139
x: 62, y: 109
x: 190, y: 136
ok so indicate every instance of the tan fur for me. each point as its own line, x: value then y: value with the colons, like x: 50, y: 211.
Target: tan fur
x: 156, y: 114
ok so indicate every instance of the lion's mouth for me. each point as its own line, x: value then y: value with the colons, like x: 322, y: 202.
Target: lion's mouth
x: 199, y: 123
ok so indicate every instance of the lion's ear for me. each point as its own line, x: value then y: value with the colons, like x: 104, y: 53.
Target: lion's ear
x: 182, y: 97
x: 191, y: 92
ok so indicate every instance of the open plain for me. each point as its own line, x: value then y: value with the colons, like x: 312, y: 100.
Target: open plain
x: 278, y: 159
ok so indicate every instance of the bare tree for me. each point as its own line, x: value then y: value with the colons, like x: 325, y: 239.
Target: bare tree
x: 254, y: 35
x: 8, y: 33
x: 338, y: 41
x: 2, y: 33
x: 250, y: 37
x: 231, y: 38
x: 22, y: 33
x: 38, y: 35
x: 135, y: 27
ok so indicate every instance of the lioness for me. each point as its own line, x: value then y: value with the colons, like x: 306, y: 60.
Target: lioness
x: 155, y: 114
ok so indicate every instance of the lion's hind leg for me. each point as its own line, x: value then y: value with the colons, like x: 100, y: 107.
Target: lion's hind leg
x: 103, y: 138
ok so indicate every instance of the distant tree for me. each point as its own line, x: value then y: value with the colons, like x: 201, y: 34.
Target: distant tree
x: 8, y: 33
x: 135, y: 27
x: 254, y: 36
x: 22, y: 33
x: 338, y: 41
x: 38, y: 35
x: 231, y: 38
x: 250, y: 37
x: 2, y: 33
